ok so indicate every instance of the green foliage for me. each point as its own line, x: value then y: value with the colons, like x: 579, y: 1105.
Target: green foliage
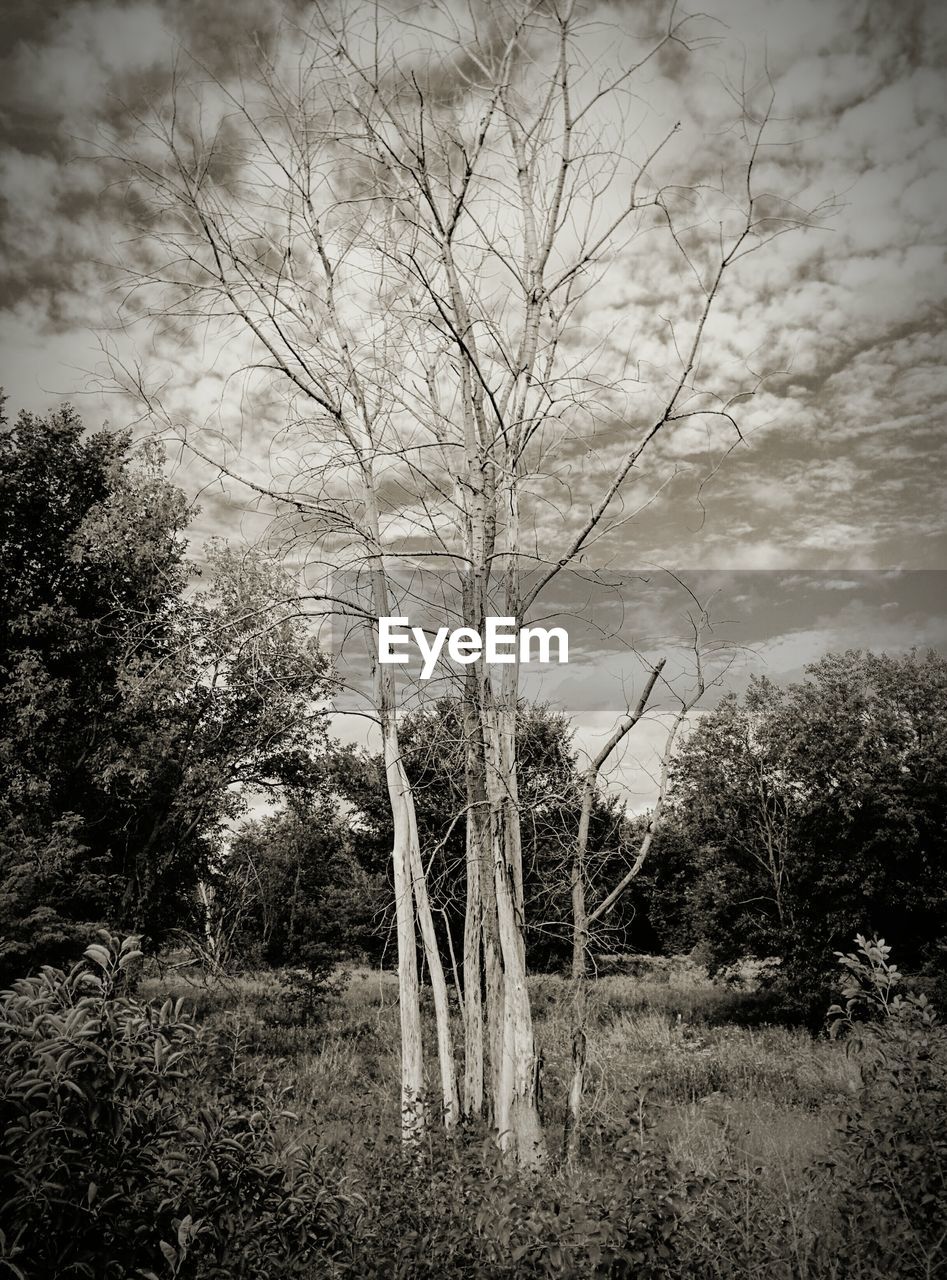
x: 870, y: 988
x: 118, y: 1158
x: 305, y: 995
x: 891, y: 1171
x: 294, y: 892
x: 458, y: 1211
x: 711, y: 1152
x: 93, y: 560
x: 135, y: 1144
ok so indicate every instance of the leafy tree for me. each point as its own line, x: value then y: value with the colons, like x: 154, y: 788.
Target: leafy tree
x: 803, y: 812
x: 433, y: 747
x: 133, y: 715
x: 93, y: 556
x: 290, y: 890
x: 230, y: 709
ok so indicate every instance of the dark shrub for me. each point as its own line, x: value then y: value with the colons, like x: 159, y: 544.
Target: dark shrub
x: 891, y: 1171
x: 459, y: 1211
x: 117, y: 1156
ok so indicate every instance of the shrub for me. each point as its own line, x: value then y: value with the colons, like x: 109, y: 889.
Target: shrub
x: 305, y: 996
x: 117, y: 1157
x: 892, y: 1168
x: 459, y: 1211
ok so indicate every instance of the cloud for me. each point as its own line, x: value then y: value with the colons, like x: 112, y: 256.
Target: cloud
x: 844, y: 455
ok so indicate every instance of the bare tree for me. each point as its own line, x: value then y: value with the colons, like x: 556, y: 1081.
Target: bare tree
x: 399, y: 219
x: 585, y: 919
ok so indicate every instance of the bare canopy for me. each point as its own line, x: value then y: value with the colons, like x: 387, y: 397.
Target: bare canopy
x: 399, y: 218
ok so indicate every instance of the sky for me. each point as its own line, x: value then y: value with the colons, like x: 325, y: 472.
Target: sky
x: 768, y: 623
x: 840, y: 478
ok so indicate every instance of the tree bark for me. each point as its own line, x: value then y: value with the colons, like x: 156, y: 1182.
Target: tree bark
x: 474, y: 948
x: 445, y: 1047
x: 516, y: 1111
x: 580, y: 915
x: 409, y: 1003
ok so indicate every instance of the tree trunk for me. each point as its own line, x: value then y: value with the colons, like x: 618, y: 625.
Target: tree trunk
x: 474, y: 949
x: 445, y: 1046
x: 515, y: 1070
x: 410, y: 882
x: 517, y: 1114
x: 580, y: 914
x: 412, y: 1054
x: 580, y: 946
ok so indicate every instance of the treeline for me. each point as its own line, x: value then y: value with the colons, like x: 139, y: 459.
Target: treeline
x: 141, y: 698
x: 801, y: 812
x: 149, y: 692
x: 795, y: 815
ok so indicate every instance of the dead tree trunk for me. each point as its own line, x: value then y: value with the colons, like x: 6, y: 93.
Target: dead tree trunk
x: 580, y: 917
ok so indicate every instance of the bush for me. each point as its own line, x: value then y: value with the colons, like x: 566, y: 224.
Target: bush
x: 305, y: 996
x: 892, y: 1168
x: 117, y: 1156
x: 458, y: 1210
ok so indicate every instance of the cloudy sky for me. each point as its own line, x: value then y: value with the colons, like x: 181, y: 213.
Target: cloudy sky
x: 845, y: 450
x: 845, y: 457
x: 759, y: 622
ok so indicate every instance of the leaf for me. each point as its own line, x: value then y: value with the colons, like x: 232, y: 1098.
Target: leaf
x: 98, y: 954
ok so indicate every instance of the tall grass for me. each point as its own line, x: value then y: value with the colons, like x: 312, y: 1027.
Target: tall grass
x: 770, y: 1089
x: 746, y: 1118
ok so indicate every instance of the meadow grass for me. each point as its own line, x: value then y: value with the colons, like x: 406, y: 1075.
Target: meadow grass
x: 749, y: 1116
x: 715, y: 1091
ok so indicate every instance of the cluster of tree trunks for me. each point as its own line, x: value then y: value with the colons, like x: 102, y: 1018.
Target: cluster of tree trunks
x: 403, y: 222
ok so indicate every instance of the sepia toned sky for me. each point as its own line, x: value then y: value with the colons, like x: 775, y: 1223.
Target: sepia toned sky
x: 760, y: 622
x: 846, y: 450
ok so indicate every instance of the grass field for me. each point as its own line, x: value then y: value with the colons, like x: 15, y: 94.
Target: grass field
x: 248, y: 1129
x: 708, y: 1081
x: 752, y: 1113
